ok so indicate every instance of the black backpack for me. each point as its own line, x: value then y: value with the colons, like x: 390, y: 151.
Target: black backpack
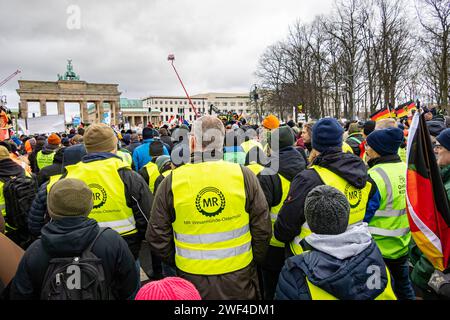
x: 19, y: 193
x: 76, y: 278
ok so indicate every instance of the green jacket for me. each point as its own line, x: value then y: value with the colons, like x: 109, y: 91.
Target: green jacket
x: 423, y: 268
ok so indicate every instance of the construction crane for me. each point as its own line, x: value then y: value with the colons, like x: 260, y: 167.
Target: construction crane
x: 9, y: 78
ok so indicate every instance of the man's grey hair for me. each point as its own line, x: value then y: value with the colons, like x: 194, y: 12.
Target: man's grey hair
x: 134, y: 137
x: 386, y: 123
x: 209, y: 133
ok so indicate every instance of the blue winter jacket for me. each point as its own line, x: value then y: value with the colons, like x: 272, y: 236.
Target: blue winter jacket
x: 141, y: 155
x: 344, y: 279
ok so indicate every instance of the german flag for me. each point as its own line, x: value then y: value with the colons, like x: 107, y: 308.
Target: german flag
x: 427, y: 203
x: 384, y: 113
x: 411, y: 106
x: 402, y: 110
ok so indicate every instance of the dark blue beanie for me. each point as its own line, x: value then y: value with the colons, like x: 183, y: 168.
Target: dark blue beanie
x: 385, y: 142
x: 444, y: 138
x: 326, y: 133
x: 149, y: 133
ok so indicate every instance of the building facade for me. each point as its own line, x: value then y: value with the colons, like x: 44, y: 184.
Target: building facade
x: 170, y: 107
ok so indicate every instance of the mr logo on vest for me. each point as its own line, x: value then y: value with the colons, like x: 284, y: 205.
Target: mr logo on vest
x: 353, y: 195
x: 210, y: 202
x: 99, y: 195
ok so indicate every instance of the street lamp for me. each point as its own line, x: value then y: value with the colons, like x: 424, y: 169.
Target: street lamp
x: 254, y: 97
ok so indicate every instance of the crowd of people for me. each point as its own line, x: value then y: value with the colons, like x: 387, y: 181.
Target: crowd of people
x: 226, y: 210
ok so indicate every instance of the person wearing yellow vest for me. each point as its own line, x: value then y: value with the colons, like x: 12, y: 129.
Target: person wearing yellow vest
x: 210, y: 219
x: 254, y: 150
x: 44, y: 158
x: 122, y: 200
x: 344, y: 171
x: 150, y: 171
x: 275, y: 184
x: 389, y: 225
x: 341, y: 262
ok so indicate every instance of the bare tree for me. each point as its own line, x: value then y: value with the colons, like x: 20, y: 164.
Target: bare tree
x: 434, y: 16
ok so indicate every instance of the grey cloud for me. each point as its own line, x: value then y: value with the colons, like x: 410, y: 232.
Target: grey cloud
x: 217, y: 43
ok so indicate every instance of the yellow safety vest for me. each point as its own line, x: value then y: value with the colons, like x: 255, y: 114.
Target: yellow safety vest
x: 166, y: 173
x: 248, y: 145
x: 44, y: 160
x: 153, y: 174
x: 211, y: 229
x: 317, y: 293
x: 357, y: 198
x: 126, y: 157
x: 346, y: 148
x: 390, y: 226
x: 110, y: 206
x: 2, y: 201
x: 285, y: 185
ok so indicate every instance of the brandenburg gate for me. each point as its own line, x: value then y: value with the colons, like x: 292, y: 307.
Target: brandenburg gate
x: 69, y: 88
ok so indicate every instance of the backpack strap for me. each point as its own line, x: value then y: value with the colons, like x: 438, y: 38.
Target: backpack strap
x: 89, y: 249
x: 355, y: 139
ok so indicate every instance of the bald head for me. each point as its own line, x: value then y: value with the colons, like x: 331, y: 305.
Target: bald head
x: 209, y: 133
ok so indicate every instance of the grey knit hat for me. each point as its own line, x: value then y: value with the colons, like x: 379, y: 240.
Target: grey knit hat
x: 327, y: 210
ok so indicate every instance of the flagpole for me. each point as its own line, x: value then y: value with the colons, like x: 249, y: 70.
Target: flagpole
x: 171, y: 58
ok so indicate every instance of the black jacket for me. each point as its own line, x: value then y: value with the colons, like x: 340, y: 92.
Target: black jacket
x: 289, y: 163
x: 135, y: 187
x: 348, y: 166
x: 70, y: 237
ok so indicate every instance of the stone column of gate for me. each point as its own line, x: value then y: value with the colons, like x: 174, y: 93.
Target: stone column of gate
x: 113, y: 106
x: 84, y: 111
x: 100, y: 111
x: 23, y: 109
x: 61, y: 108
x: 42, y: 107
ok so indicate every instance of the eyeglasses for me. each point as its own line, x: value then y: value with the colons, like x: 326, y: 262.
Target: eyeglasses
x: 437, y: 146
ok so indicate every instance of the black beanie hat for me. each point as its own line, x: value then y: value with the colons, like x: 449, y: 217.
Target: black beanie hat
x: 149, y: 133
x: 369, y: 127
x: 156, y: 149
x: 327, y: 210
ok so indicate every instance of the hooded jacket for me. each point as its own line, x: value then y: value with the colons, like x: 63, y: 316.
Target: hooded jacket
x: 135, y: 187
x: 338, y: 264
x: 69, y: 237
x: 348, y: 166
x: 74, y: 154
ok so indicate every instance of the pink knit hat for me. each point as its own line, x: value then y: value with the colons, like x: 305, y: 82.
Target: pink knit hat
x: 171, y: 288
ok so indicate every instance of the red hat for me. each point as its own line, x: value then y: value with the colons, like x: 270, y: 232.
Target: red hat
x: 171, y: 288
x: 54, y: 139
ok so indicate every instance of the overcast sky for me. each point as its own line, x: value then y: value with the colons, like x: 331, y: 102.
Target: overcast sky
x: 217, y: 43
